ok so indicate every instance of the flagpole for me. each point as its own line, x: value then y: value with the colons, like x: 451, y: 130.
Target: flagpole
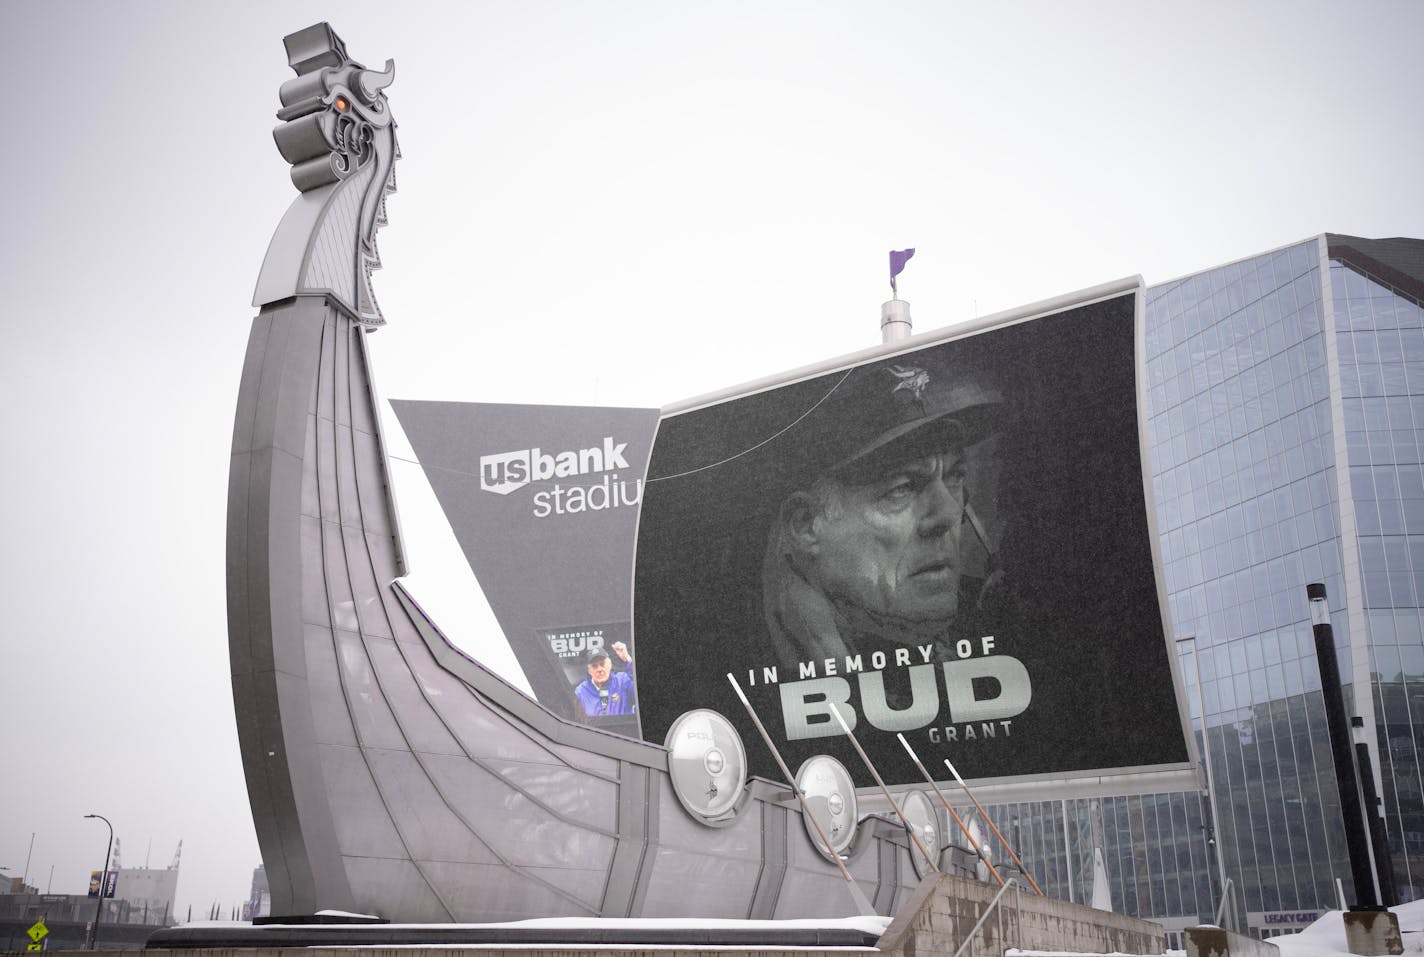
x: 855, y: 892
x: 988, y: 820
x: 895, y: 315
x: 945, y: 801
x: 884, y: 790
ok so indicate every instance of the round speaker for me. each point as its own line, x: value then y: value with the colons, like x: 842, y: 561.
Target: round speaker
x: 920, y: 815
x: 830, y: 797
x: 707, y: 765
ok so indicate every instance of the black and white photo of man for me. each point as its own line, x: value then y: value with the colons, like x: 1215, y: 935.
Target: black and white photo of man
x: 951, y: 542
x: 872, y: 552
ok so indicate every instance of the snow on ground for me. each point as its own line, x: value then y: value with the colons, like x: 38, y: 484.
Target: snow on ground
x: 1326, y: 937
x: 871, y: 924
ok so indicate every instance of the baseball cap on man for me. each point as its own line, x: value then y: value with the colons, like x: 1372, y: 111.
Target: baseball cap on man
x: 595, y: 654
x: 896, y: 412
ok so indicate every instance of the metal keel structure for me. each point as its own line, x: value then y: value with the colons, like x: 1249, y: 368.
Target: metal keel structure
x: 388, y: 773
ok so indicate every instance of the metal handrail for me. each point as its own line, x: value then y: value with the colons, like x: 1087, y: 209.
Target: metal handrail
x: 994, y: 906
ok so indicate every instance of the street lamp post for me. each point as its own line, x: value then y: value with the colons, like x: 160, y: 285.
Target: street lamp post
x: 1213, y: 845
x: 9, y: 942
x: 1370, y: 927
x: 1342, y: 750
x: 103, y: 882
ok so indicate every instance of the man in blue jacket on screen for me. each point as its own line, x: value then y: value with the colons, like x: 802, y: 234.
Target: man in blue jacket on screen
x: 606, y: 691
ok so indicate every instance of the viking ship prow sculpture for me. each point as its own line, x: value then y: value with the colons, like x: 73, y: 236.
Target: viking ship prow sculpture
x: 389, y: 774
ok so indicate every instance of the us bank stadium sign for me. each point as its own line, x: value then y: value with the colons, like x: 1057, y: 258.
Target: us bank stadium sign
x: 506, y: 472
x: 557, y: 488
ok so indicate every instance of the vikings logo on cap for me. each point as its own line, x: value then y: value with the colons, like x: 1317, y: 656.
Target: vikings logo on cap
x: 910, y: 378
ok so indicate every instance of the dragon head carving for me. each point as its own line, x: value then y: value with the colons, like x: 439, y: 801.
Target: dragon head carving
x: 338, y: 133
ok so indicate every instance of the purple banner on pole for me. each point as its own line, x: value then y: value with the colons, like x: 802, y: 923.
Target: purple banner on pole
x: 111, y: 883
x: 898, y: 258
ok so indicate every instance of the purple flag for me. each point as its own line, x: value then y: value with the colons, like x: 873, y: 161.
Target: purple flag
x: 898, y: 258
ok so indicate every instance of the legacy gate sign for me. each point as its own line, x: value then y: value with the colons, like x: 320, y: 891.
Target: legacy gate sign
x: 950, y: 542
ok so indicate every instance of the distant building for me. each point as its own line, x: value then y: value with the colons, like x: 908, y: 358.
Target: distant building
x: 259, y: 901
x: 17, y: 885
x: 69, y: 918
x: 149, y: 892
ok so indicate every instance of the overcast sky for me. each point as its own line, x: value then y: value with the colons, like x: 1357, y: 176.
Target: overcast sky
x: 601, y: 203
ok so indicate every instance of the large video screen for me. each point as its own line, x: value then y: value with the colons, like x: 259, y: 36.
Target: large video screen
x: 951, y: 543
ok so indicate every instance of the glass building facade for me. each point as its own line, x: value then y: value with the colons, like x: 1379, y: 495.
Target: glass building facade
x: 1285, y: 404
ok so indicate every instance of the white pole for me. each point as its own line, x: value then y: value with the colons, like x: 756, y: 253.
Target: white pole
x: 1214, y: 837
x: 855, y: 892
x: 895, y: 321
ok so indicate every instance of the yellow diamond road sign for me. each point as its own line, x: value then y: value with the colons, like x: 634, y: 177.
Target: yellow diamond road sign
x: 37, y: 931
